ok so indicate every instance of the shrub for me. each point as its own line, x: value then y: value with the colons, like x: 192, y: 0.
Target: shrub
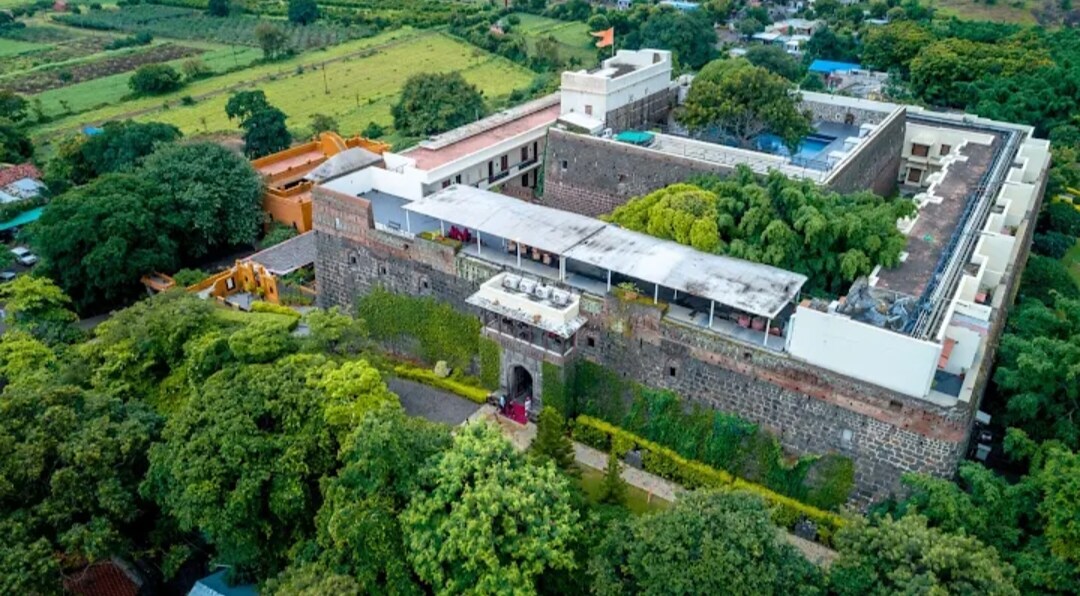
x: 1060, y: 216
x: 278, y: 233
x: 664, y: 462
x: 154, y: 79
x: 373, y: 131
x: 427, y: 377
x: 270, y: 307
x: 189, y: 277
x: 1053, y: 244
x: 139, y: 39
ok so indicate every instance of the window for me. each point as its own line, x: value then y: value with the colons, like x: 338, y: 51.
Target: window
x: 920, y: 150
x: 524, y: 154
x: 565, y: 164
x: 491, y: 169
x: 914, y: 175
x: 896, y: 405
x: 846, y: 436
x: 446, y: 183
x: 457, y: 179
x: 590, y: 341
x: 504, y: 163
x: 671, y: 371
x: 230, y: 284
x: 352, y: 259
x: 382, y: 269
x: 588, y: 110
x: 945, y: 149
x: 525, y: 180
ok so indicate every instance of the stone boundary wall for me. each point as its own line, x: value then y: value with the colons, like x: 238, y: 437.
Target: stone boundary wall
x: 601, y: 174
x: 875, y: 163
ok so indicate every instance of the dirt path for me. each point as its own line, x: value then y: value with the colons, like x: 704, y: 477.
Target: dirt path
x: 243, y: 84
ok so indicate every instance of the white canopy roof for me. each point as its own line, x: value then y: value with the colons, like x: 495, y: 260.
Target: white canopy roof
x: 750, y: 287
x: 491, y: 213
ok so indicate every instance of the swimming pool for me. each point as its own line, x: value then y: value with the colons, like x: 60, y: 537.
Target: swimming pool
x: 809, y: 148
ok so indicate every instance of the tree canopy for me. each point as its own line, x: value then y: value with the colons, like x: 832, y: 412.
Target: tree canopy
x: 744, y: 101
x: 433, y: 103
x: 486, y: 521
x: 155, y: 79
x: 119, y: 147
x: 263, y: 124
x: 303, y: 12
x: 793, y: 224
x: 707, y: 543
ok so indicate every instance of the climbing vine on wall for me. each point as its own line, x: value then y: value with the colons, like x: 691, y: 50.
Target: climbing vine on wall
x: 555, y: 389
x: 423, y: 327
x: 490, y: 356
x: 718, y: 439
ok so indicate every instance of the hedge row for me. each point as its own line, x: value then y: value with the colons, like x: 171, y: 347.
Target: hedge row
x: 666, y: 463
x: 490, y: 358
x: 427, y: 377
x: 422, y: 326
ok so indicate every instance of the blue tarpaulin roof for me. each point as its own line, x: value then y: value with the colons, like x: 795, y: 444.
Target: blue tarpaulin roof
x: 215, y: 585
x: 22, y: 219
x: 831, y: 66
x: 635, y: 137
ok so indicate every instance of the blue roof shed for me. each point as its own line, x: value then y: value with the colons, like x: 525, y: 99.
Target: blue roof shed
x: 831, y: 66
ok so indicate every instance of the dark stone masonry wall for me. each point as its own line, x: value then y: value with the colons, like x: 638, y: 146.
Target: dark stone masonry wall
x: 809, y: 409
x: 876, y: 164
x: 643, y: 112
x: 593, y: 176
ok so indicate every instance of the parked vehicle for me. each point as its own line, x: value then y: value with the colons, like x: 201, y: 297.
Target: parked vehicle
x: 6, y: 276
x: 24, y: 256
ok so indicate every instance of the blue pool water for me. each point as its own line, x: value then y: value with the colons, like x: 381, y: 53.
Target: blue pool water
x: 809, y: 148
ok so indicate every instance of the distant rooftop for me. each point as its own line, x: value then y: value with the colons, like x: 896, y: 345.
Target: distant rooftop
x: 442, y: 149
x: 288, y: 256
x: 831, y: 66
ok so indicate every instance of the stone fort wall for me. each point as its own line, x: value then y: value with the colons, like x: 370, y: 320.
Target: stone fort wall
x: 810, y: 410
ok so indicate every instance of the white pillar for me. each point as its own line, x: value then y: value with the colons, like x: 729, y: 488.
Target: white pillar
x: 408, y: 228
x: 609, y: 280
x: 656, y: 293
x: 518, y: 244
x: 712, y: 309
x: 562, y: 268
x: 442, y: 228
x: 676, y: 297
x: 477, y: 242
x: 768, y: 327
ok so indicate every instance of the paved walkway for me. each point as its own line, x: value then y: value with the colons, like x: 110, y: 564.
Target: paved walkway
x: 430, y: 403
x: 522, y: 436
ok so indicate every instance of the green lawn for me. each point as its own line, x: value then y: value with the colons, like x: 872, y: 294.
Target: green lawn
x: 11, y: 47
x: 637, y: 501
x: 1001, y: 12
x: 573, y: 36
x: 1072, y: 261
x: 360, y: 90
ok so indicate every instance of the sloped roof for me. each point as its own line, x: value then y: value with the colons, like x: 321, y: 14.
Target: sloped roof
x: 286, y: 257
x: 345, y: 162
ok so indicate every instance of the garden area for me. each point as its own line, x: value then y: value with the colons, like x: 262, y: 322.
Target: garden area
x: 574, y: 41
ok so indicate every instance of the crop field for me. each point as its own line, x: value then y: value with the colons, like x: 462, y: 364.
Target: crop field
x: 111, y: 90
x: 44, y: 79
x: 1017, y: 11
x: 100, y: 100
x: 11, y: 47
x: 184, y: 23
x: 359, y: 90
x: 573, y: 37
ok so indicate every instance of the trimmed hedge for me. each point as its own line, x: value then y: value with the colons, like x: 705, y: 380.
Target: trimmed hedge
x: 424, y: 327
x: 490, y: 358
x: 427, y: 377
x: 277, y: 309
x: 690, y: 474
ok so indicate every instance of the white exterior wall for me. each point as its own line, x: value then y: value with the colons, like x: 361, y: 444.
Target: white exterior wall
x: 1018, y: 198
x: 934, y: 137
x: 605, y: 94
x: 372, y: 178
x: 473, y: 168
x: 862, y: 351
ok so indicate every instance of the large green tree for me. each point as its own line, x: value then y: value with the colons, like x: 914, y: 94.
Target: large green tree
x: 744, y: 101
x: 707, y: 543
x: 432, y: 103
x: 70, y: 464
x: 688, y: 34
x: 358, y: 532
x: 303, y: 12
x: 263, y: 124
x: 894, y: 45
x: 96, y: 241
x: 794, y: 224
x: 119, y: 147
x: 1038, y: 371
x: 15, y: 146
x: 485, y: 521
x: 240, y: 462
x: 211, y: 198
x: 37, y: 306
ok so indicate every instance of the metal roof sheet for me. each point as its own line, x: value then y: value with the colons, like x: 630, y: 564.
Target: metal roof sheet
x: 751, y: 287
x: 545, y: 228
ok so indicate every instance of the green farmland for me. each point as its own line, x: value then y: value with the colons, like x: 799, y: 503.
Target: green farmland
x: 573, y: 36
x: 11, y: 47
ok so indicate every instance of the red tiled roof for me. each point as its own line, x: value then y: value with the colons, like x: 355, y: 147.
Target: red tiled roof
x: 104, y: 578
x: 12, y: 173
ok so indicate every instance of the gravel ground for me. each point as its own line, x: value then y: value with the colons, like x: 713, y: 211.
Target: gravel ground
x: 430, y: 403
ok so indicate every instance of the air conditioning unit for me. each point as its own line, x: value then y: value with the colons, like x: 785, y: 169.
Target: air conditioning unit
x: 560, y: 298
x: 542, y: 292
x: 527, y: 286
x: 511, y: 282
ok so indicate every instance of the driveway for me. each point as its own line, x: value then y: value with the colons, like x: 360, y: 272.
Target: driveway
x: 430, y: 403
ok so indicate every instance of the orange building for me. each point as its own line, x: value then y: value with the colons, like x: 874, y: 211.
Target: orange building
x: 289, y: 179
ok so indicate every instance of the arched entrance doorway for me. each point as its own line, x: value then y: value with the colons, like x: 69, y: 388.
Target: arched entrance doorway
x: 521, y: 383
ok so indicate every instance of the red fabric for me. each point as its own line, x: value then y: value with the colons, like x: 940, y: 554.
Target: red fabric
x: 516, y: 412
x: 607, y: 37
x: 13, y: 173
x: 101, y: 579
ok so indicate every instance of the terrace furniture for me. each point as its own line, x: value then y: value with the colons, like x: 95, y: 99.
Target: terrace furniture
x: 758, y: 324
x: 744, y: 321
x: 546, y: 258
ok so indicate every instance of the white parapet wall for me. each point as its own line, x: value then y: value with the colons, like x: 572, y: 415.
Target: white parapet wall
x: 627, y: 77
x: 865, y: 352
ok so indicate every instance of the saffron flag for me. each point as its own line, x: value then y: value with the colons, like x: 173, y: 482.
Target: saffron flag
x: 607, y: 37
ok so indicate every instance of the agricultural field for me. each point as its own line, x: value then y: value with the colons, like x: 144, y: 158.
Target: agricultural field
x: 11, y: 47
x: 45, y: 46
x: 44, y: 79
x: 359, y: 90
x: 1016, y: 11
x: 573, y: 36
x: 185, y: 24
